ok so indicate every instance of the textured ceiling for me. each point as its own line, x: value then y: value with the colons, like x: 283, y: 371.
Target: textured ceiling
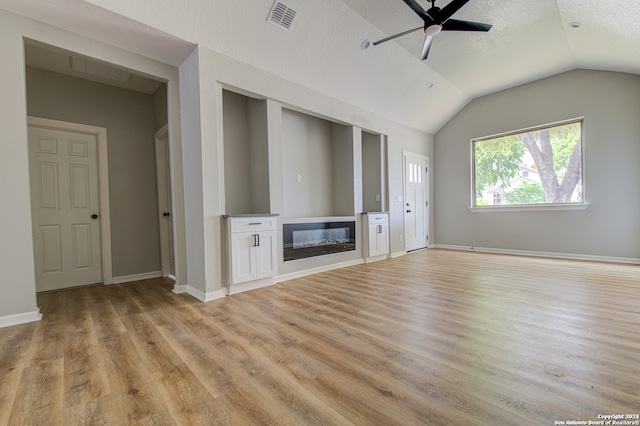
x: 530, y: 39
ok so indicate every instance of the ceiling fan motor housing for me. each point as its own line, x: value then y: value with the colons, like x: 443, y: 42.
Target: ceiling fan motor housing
x: 433, y: 30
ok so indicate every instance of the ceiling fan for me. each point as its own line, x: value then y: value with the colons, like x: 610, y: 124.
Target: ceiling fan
x: 436, y: 20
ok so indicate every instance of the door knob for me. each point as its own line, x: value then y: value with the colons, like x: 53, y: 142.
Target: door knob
x: 166, y: 214
x: 408, y: 211
x: 94, y: 216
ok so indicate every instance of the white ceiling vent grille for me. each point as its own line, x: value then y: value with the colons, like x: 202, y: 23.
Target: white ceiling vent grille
x: 282, y: 16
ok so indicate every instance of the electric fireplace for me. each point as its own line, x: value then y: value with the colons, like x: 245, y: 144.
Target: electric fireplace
x: 303, y: 240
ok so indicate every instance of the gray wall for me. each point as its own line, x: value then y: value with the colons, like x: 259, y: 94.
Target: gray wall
x: 160, y: 111
x: 237, y: 149
x: 371, y: 172
x: 129, y: 119
x: 342, y: 163
x: 307, y: 151
x: 259, y: 156
x: 246, y: 154
x: 609, y: 227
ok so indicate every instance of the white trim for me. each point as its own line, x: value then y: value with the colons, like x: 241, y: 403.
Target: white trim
x: 137, y: 277
x: 299, y: 274
x: 206, y: 297
x: 103, y: 181
x: 293, y: 220
x: 160, y: 137
x: 397, y: 254
x: 529, y: 208
x: 23, y: 318
x: 251, y: 285
x: 572, y: 256
x: 530, y: 129
x: 377, y: 258
x: 406, y: 154
x: 180, y: 288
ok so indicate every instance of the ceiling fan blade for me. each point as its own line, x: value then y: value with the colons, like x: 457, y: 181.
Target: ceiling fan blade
x: 426, y: 46
x: 419, y: 10
x: 375, y: 43
x: 448, y: 11
x: 456, y: 25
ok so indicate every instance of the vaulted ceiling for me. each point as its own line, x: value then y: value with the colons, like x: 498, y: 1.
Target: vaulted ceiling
x: 530, y: 39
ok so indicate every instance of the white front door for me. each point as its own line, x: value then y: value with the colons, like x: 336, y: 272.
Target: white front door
x: 416, y: 201
x: 65, y: 208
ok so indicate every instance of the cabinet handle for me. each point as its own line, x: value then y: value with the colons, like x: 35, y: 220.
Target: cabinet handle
x: 255, y: 223
x: 258, y: 237
x: 379, y: 229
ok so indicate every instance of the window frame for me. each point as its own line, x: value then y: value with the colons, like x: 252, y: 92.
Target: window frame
x: 530, y: 207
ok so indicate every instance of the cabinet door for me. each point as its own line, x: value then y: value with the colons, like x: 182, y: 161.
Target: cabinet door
x: 266, y: 254
x: 243, y: 261
x: 382, y: 239
x: 373, y: 239
x: 378, y: 239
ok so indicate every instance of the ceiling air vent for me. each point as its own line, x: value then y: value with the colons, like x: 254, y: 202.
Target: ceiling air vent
x: 282, y: 16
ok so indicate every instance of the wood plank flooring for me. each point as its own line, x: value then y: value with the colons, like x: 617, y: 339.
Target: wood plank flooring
x: 436, y: 337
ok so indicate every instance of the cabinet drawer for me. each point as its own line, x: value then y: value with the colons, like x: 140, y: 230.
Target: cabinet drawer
x: 377, y: 218
x: 253, y: 224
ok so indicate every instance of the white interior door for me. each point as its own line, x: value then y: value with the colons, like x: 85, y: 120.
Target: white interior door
x: 65, y: 206
x: 163, y: 174
x: 416, y: 202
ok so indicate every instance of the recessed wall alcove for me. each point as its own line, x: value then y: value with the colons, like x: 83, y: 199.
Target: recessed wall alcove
x: 246, y: 153
x: 318, y: 166
x: 307, y: 169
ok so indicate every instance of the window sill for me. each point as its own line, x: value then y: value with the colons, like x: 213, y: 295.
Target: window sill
x: 529, y: 208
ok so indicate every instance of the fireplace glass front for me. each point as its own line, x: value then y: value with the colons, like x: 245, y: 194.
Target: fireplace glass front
x: 303, y: 240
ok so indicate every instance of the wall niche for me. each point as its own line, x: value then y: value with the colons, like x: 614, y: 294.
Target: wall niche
x: 246, y: 154
x: 318, y: 166
x: 374, y: 194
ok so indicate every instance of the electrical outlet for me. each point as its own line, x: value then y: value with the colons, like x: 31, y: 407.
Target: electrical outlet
x: 377, y: 197
x: 299, y: 178
x: 401, y: 237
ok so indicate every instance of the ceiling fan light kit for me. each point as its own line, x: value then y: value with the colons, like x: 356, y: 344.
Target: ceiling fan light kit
x: 437, y: 20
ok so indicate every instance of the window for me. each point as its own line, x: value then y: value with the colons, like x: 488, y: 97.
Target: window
x: 534, y: 167
x: 415, y: 173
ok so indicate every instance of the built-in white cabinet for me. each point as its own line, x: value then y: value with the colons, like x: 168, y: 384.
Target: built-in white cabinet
x: 252, y: 248
x: 375, y: 228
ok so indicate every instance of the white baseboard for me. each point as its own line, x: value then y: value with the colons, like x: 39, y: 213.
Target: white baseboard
x: 252, y: 285
x: 397, y: 254
x: 299, y: 274
x: 179, y: 289
x: 23, y: 318
x: 208, y: 296
x: 137, y: 277
x: 375, y: 258
x: 571, y: 256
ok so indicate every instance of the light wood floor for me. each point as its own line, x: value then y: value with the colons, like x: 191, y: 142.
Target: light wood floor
x: 436, y: 337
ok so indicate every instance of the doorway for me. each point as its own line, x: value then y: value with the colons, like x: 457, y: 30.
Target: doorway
x: 416, y: 201
x: 129, y: 111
